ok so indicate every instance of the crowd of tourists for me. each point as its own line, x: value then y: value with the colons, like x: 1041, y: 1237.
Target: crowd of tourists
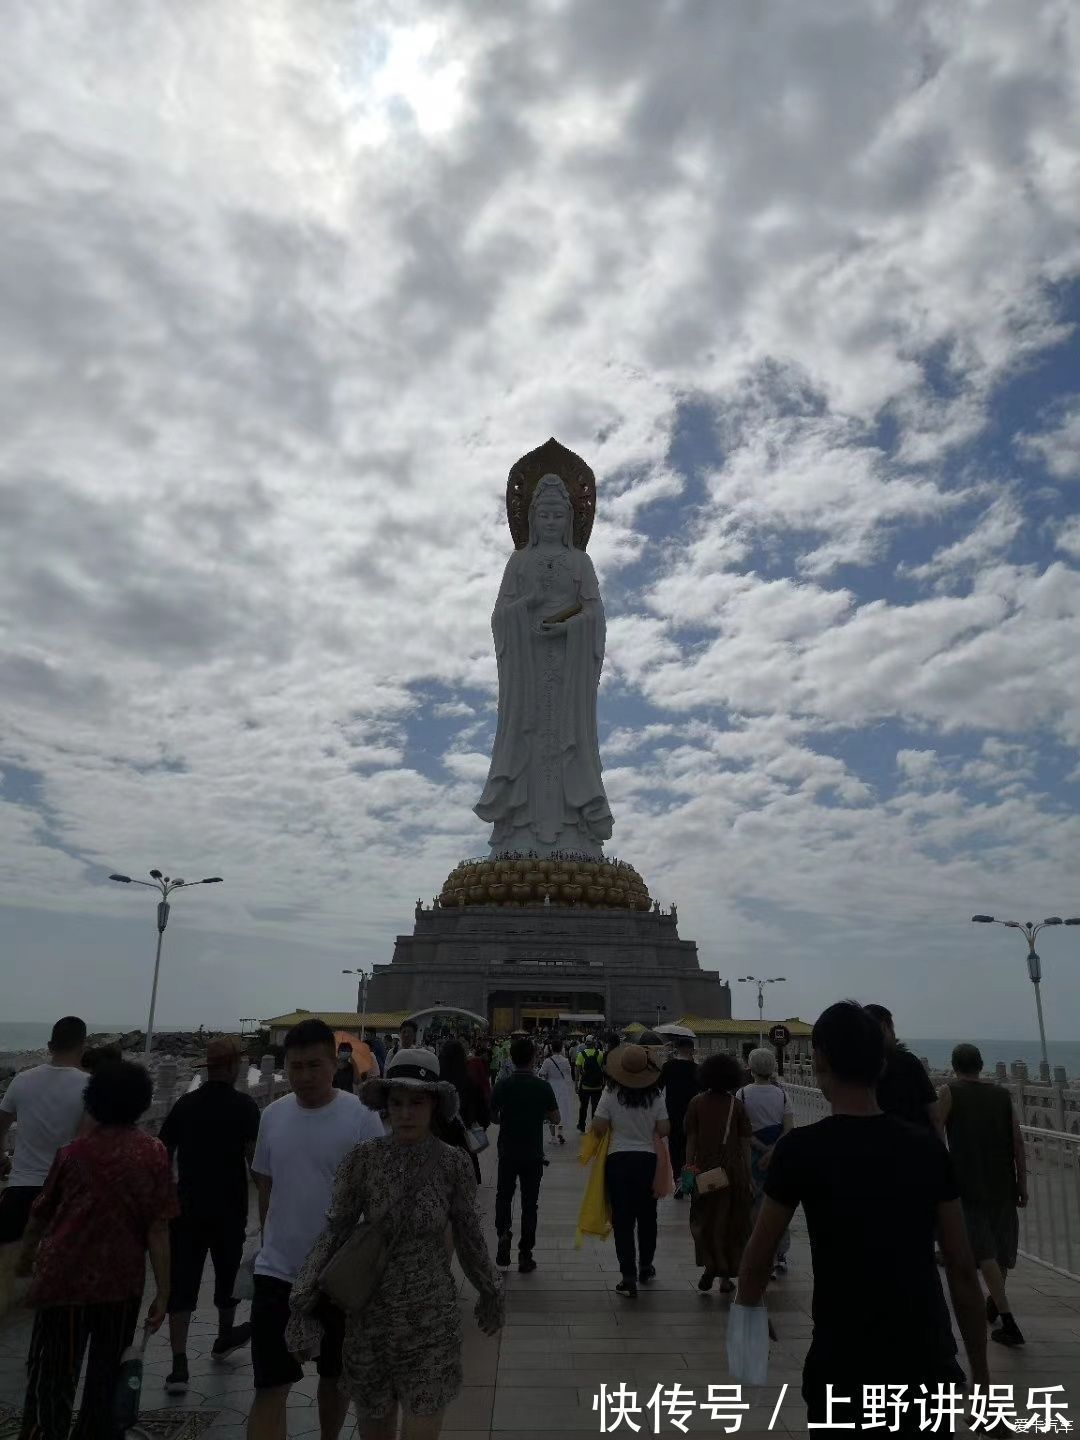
x: 363, y: 1200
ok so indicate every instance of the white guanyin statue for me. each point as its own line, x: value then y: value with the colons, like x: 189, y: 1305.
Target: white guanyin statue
x: 544, y: 790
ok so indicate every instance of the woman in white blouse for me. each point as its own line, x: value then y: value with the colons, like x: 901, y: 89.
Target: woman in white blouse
x: 633, y: 1109
x: 768, y: 1109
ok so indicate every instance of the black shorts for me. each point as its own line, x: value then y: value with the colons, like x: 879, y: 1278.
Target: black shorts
x: 272, y: 1362
x: 16, y: 1203
x: 994, y: 1233
x: 191, y: 1239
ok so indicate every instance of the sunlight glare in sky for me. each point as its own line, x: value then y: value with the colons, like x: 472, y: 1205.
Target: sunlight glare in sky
x: 413, y: 73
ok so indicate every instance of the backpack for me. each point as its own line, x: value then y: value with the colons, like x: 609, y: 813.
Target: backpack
x: 592, y: 1072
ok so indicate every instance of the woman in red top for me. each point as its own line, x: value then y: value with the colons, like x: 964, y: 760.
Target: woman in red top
x: 108, y: 1200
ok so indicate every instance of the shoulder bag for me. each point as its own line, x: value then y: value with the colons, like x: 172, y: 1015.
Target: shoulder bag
x: 717, y: 1178
x: 351, y: 1276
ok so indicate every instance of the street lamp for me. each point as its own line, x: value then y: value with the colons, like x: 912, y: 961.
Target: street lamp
x: 1029, y: 931
x: 660, y: 1010
x: 165, y: 887
x: 753, y: 980
x: 363, y: 995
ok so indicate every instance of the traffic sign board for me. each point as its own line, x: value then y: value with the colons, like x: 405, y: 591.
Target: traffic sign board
x: 780, y: 1035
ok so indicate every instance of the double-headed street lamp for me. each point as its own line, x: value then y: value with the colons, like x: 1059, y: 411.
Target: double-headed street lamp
x: 1029, y: 930
x: 165, y: 888
x: 364, y: 977
x: 753, y: 980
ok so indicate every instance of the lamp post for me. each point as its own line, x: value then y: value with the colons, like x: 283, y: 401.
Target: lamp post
x: 363, y: 995
x: 1034, y: 962
x: 660, y: 1010
x: 165, y: 887
x: 753, y: 980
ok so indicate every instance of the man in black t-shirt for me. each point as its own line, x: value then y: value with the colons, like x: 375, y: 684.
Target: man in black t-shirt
x: 874, y: 1189
x: 522, y: 1104
x: 904, y: 1089
x: 212, y: 1132
x: 679, y: 1078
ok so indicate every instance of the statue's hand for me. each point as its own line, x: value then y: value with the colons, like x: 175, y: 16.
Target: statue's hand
x: 561, y: 625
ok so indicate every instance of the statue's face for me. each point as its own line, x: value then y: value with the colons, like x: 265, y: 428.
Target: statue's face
x: 549, y: 517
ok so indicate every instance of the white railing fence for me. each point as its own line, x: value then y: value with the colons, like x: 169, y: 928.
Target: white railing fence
x: 1050, y: 1224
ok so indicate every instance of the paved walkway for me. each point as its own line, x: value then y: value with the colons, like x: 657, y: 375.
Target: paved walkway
x: 567, y: 1332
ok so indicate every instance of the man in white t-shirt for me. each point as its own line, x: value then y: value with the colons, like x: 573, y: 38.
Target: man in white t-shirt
x: 303, y: 1138
x: 47, y: 1104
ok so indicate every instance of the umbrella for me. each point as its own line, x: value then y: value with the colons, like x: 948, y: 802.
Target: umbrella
x: 364, y: 1062
x: 675, y: 1031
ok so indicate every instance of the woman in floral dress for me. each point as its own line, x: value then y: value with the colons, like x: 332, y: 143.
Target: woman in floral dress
x: 403, y: 1352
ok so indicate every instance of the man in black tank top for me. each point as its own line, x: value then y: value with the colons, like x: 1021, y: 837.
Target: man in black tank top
x: 987, y: 1150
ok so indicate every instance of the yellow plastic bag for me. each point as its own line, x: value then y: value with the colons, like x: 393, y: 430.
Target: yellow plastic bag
x: 594, y: 1217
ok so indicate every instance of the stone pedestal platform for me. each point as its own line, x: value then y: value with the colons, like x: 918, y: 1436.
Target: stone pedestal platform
x: 524, y: 965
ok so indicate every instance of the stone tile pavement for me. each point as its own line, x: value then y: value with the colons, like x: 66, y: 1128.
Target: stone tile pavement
x: 567, y: 1332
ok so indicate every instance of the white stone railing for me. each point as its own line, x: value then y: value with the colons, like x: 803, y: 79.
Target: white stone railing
x: 167, y: 1090
x: 807, y: 1102
x: 1050, y: 1224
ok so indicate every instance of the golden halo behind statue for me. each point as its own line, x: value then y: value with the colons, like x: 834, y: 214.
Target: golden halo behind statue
x: 551, y: 458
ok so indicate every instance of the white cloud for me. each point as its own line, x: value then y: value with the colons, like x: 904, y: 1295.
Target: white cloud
x: 285, y: 291
x: 992, y: 534
x: 1058, y: 447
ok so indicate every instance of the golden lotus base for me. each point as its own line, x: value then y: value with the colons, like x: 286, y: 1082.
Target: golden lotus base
x: 596, y: 884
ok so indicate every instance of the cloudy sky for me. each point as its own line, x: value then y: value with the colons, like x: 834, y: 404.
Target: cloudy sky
x: 286, y: 288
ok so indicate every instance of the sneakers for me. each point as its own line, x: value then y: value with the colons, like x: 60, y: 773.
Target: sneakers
x: 1009, y: 1333
x: 234, y: 1339
x: 706, y: 1281
x: 526, y: 1264
x: 502, y: 1254
x: 562, y: 1138
x: 627, y: 1289
x: 176, y: 1382
x: 644, y: 1276
x: 781, y: 1265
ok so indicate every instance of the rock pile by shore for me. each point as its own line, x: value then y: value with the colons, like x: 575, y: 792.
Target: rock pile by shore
x: 187, y: 1048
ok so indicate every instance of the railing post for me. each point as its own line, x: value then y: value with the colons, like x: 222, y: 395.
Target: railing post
x: 266, y: 1070
x: 165, y: 1089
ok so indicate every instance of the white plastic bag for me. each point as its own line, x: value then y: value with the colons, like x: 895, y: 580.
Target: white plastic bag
x: 748, y: 1344
x: 244, y: 1288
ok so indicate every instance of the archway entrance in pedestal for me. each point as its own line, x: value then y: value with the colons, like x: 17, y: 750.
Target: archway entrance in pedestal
x: 541, y: 1009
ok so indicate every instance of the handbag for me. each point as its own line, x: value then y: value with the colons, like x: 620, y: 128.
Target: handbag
x: 476, y: 1139
x: 717, y: 1178
x: 351, y: 1276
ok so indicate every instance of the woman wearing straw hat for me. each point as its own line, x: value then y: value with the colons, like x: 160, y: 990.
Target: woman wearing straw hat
x: 408, y: 1359
x: 633, y: 1108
